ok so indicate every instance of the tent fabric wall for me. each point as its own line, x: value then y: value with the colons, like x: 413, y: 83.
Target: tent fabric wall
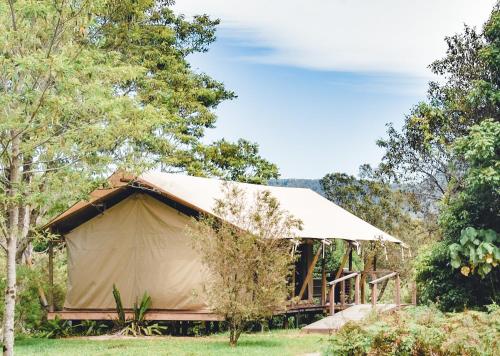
x: 140, y: 244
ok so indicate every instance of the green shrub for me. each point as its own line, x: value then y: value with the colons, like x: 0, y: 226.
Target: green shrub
x: 441, y: 284
x: 351, y: 340
x: 30, y: 313
x: 54, y: 329
x: 421, y: 331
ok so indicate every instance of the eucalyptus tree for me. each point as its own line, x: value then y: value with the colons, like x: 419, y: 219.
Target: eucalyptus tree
x: 87, y: 87
x: 421, y: 152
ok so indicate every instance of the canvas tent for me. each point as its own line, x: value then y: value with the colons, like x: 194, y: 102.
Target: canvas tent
x: 133, y: 234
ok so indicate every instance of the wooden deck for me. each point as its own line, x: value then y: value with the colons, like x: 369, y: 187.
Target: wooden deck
x: 157, y: 315
x: 175, y: 315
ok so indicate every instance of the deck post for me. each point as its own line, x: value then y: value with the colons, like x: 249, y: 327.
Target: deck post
x: 323, y: 278
x: 374, y: 294
x: 332, y: 299
x: 397, y: 291
x: 414, y: 293
x: 356, y: 289
x: 308, y: 281
x: 51, y: 276
x: 350, y: 281
x: 342, y: 294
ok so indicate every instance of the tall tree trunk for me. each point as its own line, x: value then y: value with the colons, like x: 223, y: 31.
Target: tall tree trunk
x: 13, y: 230
x: 10, y: 297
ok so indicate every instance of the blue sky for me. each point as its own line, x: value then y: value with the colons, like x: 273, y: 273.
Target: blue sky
x: 316, y: 102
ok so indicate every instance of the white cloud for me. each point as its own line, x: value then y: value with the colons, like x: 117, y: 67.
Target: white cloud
x: 402, y: 36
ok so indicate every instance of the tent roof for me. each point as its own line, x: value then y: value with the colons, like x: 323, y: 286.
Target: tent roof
x: 321, y: 218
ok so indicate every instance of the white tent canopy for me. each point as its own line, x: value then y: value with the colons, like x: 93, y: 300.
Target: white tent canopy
x: 321, y: 219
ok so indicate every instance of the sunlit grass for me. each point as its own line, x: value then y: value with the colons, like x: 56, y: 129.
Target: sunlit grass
x: 281, y: 342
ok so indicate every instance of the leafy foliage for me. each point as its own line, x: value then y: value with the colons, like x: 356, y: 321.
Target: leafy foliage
x: 150, y: 35
x: 477, y: 251
x: 238, y: 162
x: 137, y: 325
x: 57, y: 328
x: 247, y: 256
x: 371, y: 199
x: 313, y: 184
x: 420, y: 152
x: 421, y: 331
x: 449, y: 289
x: 382, y: 205
x: 88, y: 87
x: 477, y: 204
x: 449, y: 149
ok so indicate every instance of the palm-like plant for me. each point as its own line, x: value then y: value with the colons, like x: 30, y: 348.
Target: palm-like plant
x: 137, y: 325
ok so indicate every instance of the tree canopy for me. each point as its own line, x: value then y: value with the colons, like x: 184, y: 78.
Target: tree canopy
x: 90, y: 87
x: 248, y: 255
x: 448, y: 147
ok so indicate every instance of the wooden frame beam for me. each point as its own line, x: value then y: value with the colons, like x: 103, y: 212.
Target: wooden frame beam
x: 308, y: 278
x: 51, y: 276
x: 150, y: 315
x: 343, y: 262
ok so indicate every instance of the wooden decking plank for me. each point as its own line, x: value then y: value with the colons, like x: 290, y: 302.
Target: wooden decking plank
x: 334, y: 322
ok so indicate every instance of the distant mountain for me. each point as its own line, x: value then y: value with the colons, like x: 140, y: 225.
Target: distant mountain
x: 312, y: 184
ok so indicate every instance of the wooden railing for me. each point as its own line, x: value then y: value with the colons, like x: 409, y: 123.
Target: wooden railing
x: 397, y: 288
x: 373, y: 285
x: 342, y: 280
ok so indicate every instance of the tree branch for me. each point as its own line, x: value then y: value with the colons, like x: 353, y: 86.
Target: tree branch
x: 12, y: 15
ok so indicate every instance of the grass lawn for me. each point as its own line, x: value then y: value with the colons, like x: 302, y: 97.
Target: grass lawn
x: 280, y: 342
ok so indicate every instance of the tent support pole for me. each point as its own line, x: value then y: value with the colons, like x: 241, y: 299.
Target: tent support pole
x: 349, y: 282
x: 368, y: 264
x: 308, y: 280
x: 323, y: 277
x: 344, y: 261
x: 51, y: 276
x: 350, y: 260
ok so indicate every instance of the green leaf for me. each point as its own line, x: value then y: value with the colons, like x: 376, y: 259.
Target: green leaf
x: 455, y: 263
x: 489, y: 235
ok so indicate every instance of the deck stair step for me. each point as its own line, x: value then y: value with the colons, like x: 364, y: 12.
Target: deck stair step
x: 334, y: 322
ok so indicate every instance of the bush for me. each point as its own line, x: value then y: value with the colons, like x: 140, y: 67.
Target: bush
x: 352, y: 339
x: 30, y: 313
x: 439, y: 283
x: 421, y: 331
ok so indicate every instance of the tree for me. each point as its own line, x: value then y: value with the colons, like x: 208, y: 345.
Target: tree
x: 469, y: 109
x: 150, y: 35
x: 470, y: 218
x: 462, y: 270
x: 420, y: 153
x: 57, y: 97
x: 86, y: 88
x: 237, y: 162
x: 373, y: 200
x: 382, y: 205
x: 247, y: 253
